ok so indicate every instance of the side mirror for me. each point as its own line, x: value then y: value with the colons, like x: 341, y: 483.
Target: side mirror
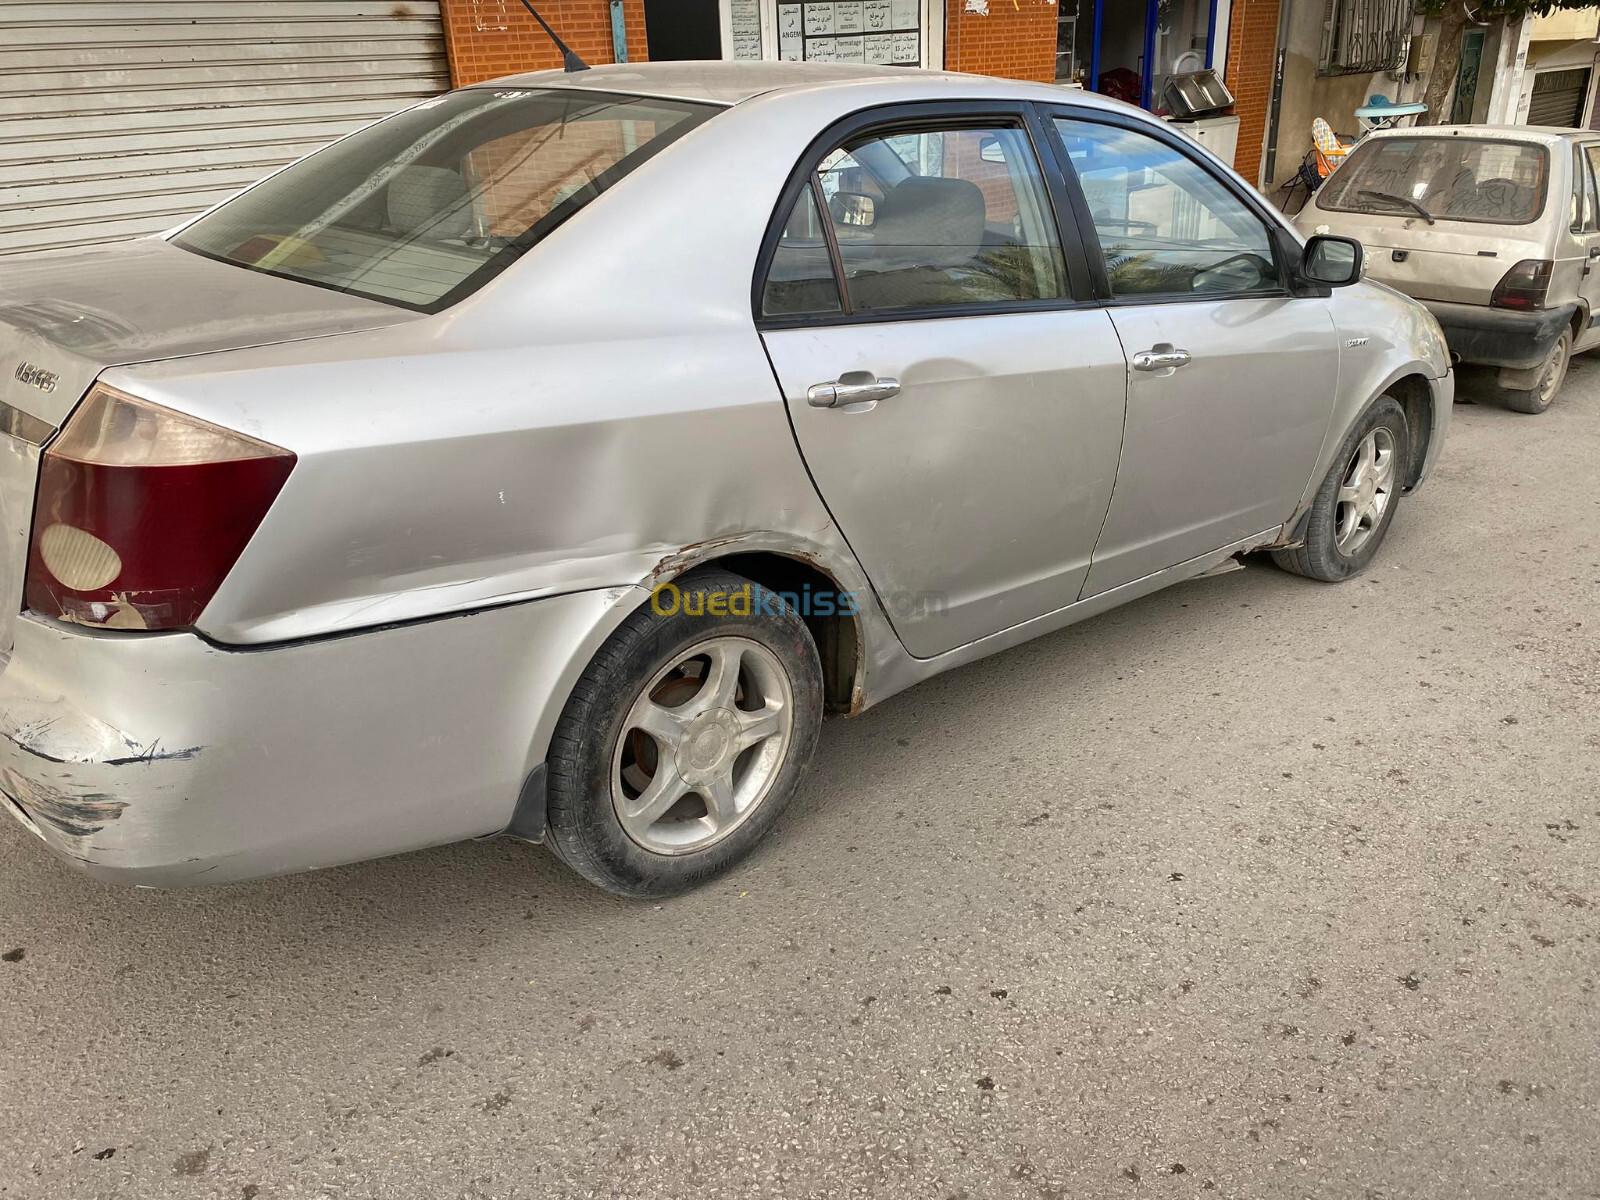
x: 1332, y: 261
x: 855, y: 209
x: 990, y: 150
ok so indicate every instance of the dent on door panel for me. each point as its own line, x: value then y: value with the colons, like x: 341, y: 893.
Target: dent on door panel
x: 973, y: 497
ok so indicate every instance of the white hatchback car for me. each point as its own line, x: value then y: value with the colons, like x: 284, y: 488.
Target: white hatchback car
x: 1496, y: 229
x: 549, y: 457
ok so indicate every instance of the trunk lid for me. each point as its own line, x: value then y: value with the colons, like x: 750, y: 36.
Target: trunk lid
x: 64, y: 320
x: 1454, y: 261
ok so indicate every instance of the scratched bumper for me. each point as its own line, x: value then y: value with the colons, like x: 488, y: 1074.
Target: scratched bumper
x: 165, y: 760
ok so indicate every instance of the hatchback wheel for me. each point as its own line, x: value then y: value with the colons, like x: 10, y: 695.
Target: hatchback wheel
x: 685, y: 738
x: 1552, y: 374
x: 1357, y: 500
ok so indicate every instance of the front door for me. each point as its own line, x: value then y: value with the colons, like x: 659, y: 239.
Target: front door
x: 960, y: 415
x: 1231, y: 380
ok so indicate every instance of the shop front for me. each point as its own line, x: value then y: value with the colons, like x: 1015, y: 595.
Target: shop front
x: 1129, y: 49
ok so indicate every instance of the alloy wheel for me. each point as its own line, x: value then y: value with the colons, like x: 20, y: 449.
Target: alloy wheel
x: 1365, y: 493
x: 701, y: 746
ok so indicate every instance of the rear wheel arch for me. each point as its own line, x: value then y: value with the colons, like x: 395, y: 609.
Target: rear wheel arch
x: 838, y: 635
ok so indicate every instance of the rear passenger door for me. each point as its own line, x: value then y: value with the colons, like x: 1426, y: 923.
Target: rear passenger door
x: 955, y: 392
x: 1231, y: 379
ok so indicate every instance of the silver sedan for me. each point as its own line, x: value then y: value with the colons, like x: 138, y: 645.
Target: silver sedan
x: 551, y: 457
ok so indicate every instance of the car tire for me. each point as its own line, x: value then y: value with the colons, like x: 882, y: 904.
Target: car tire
x: 664, y: 710
x: 1552, y: 374
x: 1352, y: 510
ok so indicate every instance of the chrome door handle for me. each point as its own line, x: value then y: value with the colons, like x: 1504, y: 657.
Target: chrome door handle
x: 853, y: 387
x: 1163, y: 356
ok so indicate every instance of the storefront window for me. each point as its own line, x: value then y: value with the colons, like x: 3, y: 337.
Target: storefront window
x: 1128, y: 49
x: 1074, y: 33
x: 1181, y: 35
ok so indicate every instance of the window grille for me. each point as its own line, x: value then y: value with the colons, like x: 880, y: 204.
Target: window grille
x: 1362, y: 36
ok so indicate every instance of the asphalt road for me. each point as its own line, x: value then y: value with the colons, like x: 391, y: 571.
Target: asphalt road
x: 1255, y: 888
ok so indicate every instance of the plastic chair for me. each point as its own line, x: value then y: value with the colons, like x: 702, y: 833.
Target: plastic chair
x: 1330, y: 150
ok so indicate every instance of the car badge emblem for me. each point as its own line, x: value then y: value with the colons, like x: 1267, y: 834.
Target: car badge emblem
x: 37, y: 377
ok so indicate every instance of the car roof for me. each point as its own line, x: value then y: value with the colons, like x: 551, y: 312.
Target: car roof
x: 721, y: 82
x: 1544, y: 134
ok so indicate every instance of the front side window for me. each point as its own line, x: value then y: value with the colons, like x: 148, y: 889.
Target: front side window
x: 1442, y: 179
x: 933, y: 219
x: 1166, y: 226
x: 423, y: 207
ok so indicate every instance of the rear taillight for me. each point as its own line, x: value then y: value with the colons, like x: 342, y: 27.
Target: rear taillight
x: 1524, y: 286
x: 142, y: 511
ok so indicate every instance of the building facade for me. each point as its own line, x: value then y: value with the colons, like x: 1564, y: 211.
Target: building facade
x: 1088, y: 42
x: 119, y: 118
x: 1292, y: 61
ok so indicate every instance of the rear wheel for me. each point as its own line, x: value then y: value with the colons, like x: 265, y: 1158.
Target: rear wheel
x: 1552, y: 374
x: 1351, y: 511
x: 685, y: 738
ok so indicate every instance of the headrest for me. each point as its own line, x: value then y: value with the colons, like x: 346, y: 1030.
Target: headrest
x: 935, y: 221
x: 430, y: 202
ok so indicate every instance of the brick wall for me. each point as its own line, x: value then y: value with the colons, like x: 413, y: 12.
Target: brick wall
x: 487, y: 38
x: 1017, y: 39
x: 1252, y: 49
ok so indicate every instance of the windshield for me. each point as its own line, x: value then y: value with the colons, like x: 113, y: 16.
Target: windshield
x: 1449, y: 178
x: 425, y: 206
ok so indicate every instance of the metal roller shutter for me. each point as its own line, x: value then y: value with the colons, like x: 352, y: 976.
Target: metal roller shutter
x: 120, y: 118
x: 1558, y: 97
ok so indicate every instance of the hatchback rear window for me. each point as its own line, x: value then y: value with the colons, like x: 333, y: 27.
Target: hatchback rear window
x: 425, y: 206
x: 1447, y: 178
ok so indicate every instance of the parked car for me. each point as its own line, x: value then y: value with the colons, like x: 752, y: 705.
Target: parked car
x: 1494, y: 228
x: 549, y: 457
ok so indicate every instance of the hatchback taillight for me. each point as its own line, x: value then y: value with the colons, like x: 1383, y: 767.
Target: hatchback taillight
x: 1524, y: 286
x: 142, y: 511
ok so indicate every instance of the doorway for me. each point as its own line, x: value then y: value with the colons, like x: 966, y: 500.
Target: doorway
x: 1467, y: 75
x: 1137, y: 45
x: 676, y: 30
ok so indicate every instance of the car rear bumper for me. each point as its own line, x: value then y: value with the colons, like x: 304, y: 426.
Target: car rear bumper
x: 165, y: 760
x: 1498, y: 337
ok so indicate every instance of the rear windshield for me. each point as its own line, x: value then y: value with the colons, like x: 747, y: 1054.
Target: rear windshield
x: 425, y: 206
x: 1449, y: 178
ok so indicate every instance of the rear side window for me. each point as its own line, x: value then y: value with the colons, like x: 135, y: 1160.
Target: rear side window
x: 934, y: 219
x: 1449, y: 178
x: 920, y: 220
x: 800, y: 281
